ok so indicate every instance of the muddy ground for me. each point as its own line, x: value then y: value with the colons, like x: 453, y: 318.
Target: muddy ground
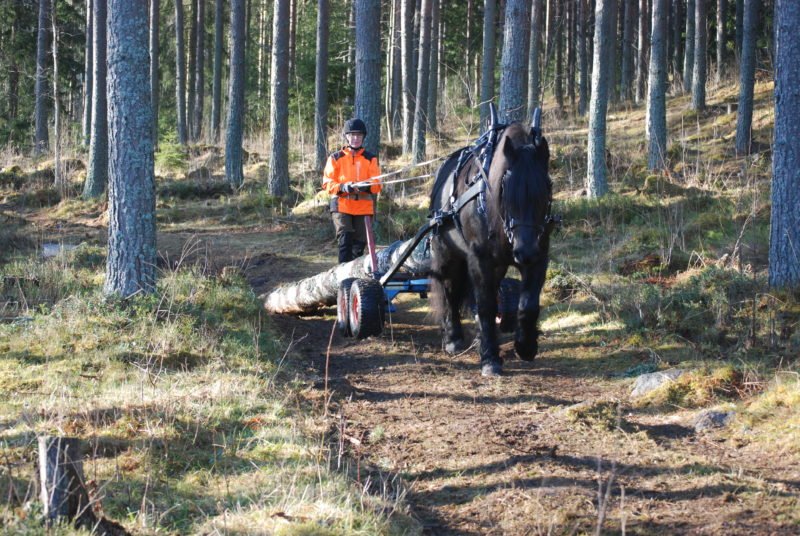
x: 512, y: 455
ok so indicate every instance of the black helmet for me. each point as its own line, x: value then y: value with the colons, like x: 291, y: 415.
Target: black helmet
x: 355, y: 125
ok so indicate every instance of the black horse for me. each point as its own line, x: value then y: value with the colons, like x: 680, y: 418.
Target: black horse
x: 507, y: 222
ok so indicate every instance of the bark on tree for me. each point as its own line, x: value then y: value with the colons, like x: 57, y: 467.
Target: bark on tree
x: 292, y: 36
x: 559, y: 48
x: 321, y: 85
x: 699, y: 75
x: 747, y: 71
x: 199, y: 72
x: 688, y: 57
x: 40, y: 142
x: 784, y: 255
x: 262, y: 32
x: 180, y: 73
x: 627, y: 78
x: 678, y: 25
x: 596, y: 179
x: 488, y: 57
x: 572, y: 27
x: 216, y: 91
x: 88, y: 79
x: 514, y: 62
x: 234, y: 172
x: 368, y: 70
x: 583, y: 56
x: 154, y: 76
x: 192, y: 67
x: 739, y: 28
x: 395, y: 88
x: 97, y: 168
x: 279, y: 101
x: 657, y: 93
x: 534, y: 55
x: 433, y: 78
x: 409, y: 77
x: 423, y: 76
x: 722, y: 12
x: 643, y: 49
x: 60, y: 182
x: 131, y: 263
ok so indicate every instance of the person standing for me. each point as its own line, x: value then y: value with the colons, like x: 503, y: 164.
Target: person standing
x: 345, y: 173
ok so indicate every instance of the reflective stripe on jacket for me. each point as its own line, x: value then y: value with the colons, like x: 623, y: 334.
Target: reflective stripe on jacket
x: 349, y: 165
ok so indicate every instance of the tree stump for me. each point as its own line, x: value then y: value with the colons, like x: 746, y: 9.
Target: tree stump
x: 63, y: 493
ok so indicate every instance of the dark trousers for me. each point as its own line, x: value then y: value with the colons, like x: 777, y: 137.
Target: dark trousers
x: 351, y: 234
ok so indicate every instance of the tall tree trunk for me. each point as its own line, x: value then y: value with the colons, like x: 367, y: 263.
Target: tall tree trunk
x: 643, y: 49
x: 688, y: 57
x: 60, y: 182
x: 180, y: 73
x: 488, y: 55
x: 199, y: 81
x: 234, y: 127
x: 559, y: 48
x: 131, y: 264
x: 747, y: 71
x: 739, y: 28
x: 279, y: 101
x: 87, y: 77
x: 534, y: 55
x: 423, y: 75
x: 351, y: 57
x: 657, y: 93
x: 550, y: 39
x: 292, y: 36
x: 407, y: 42
x: 678, y: 25
x: 596, y: 179
x: 699, y: 74
x: 433, y: 78
x: 395, y: 121
x: 262, y: 16
x: 583, y: 55
x: 154, y: 77
x: 784, y: 259
x: 321, y: 85
x: 614, y: 53
x: 190, y: 78
x: 514, y: 62
x: 468, y: 49
x: 40, y: 90
x: 97, y: 168
x: 368, y: 70
x: 216, y: 91
x: 722, y: 12
x: 631, y: 9
x: 572, y: 27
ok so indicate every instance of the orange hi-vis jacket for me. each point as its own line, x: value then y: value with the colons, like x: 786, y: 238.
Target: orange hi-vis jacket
x: 351, y: 165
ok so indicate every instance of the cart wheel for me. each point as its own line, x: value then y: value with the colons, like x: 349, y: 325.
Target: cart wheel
x: 342, y: 306
x: 508, y: 303
x: 367, y: 303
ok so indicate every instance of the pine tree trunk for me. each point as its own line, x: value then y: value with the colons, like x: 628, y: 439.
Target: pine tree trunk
x: 534, y: 55
x: 97, y: 168
x: 321, y: 85
x: 154, y: 77
x: 87, y: 77
x: 583, y: 56
x: 722, y: 11
x: 784, y: 259
x: 199, y: 81
x: 423, y: 76
x: 407, y: 45
x: 131, y: 264
x: 41, y: 141
x: 180, y: 73
x: 514, y: 61
x: 572, y: 27
x: 644, y: 47
x: 739, y: 28
x: 368, y: 70
x: 631, y: 9
x: 279, y: 101
x: 657, y: 89
x: 614, y: 52
x: 395, y: 123
x: 596, y: 180
x: 190, y: 78
x: 60, y: 182
x: 433, y: 90
x: 559, y: 48
x: 688, y: 57
x: 678, y: 24
x: 292, y: 37
x: 234, y: 128
x: 699, y: 75
x: 488, y: 55
x: 216, y: 91
x: 747, y: 70
x: 262, y: 16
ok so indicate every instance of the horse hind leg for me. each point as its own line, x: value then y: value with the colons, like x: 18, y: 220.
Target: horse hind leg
x: 447, y: 291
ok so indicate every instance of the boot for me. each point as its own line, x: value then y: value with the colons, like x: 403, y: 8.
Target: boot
x: 345, y: 247
x: 358, y: 248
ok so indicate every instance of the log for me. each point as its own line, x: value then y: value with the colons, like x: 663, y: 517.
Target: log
x: 315, y: 292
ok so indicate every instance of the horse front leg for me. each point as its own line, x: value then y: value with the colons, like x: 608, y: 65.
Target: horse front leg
x: 485, y: 289
x: 526, y: 336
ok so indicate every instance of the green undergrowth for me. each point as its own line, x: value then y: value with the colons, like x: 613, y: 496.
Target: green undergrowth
x: 184, y: 399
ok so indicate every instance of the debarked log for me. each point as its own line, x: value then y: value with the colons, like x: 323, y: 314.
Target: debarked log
x: 312, y: 293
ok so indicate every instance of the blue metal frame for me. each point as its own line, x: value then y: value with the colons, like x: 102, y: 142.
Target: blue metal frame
x: 392, y: 288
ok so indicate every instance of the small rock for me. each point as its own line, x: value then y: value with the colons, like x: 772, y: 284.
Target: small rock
x: 647, y: 383
x: 710, y: 418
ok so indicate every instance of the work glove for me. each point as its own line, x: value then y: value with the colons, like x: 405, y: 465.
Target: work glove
x: 346, y: 188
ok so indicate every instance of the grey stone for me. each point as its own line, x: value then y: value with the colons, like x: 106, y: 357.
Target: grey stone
x: 647, y: 383
x: 710, y: 418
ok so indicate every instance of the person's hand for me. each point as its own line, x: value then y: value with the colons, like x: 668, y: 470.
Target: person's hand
x: 346, y: 188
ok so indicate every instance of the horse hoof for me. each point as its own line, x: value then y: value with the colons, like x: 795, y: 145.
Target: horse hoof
x: 491, y: 370
x: 455, y: 347
x: 526, y: 352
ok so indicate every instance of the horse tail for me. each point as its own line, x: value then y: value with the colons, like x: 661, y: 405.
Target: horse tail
x: 437, y: 298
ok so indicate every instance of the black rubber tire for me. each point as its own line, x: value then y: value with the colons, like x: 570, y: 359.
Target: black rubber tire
x: 343, y: 307
x: 508, y: 303
x: 367, y: 308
